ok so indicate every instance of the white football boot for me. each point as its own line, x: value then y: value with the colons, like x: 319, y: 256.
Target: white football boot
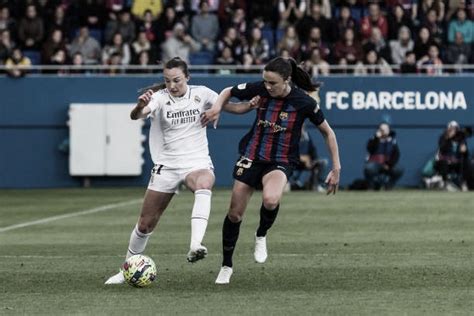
x: 116, y: 279
x: 197, y: 253
x: 224, y: 275
x: 260, y: 253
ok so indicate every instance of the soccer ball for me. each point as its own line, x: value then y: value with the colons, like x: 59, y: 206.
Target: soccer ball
x: 139, y: 270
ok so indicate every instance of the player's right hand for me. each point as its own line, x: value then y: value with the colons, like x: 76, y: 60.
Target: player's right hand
x: 145, y: 98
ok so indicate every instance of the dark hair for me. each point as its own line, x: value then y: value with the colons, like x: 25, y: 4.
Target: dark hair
x: 288, y: 67
x: 175, y: 62
x: 178, y: 63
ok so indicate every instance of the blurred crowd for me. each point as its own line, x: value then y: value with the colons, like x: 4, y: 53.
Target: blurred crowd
x: 414, y: 35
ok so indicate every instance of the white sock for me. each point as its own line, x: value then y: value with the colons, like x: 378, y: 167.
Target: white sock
x: 137, y: 242
x: 200, y: 216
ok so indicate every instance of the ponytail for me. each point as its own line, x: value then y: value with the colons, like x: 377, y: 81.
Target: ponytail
x: 287, y: 67
x: 154, y: 87
x: 300, y: 77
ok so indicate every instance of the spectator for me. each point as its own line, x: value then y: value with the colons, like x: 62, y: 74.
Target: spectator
x: 345, y: 21
x: 423, y: 43
x: 400, y: 47
x: 149, y: 26
x: 54, y: 42
x: 290, y: 12
x: 316, y: 65
x: 315, y: 19
x: 165, y: 25
x: 233, y: 41
x: 348, y: 49
x: 92, y: 13
x: 6, y: 45
x: 426, y: 5
x: 77, y: 64
x: 124, y: 25
x: 306, y: 175
x: 290, y: 42
x: 410, y: 8
x: 431, y: 64
x: 377, y: 43
x: 396, y: 20
x: 239, y: 22
x: 375, y: 18
x: 117, y: 48
x: 373, y: 64
x: 7, y: 22
x: 87, y: 46
x: 463, y: 26
x: 59, y: 59
x: 314, y: 41
x: 227, y: 9
x: 180, y: 44
x: 258, y: 47
x: 182, y: 9
x: 142, y: 44
x: 226, y: 59
x: 140, y: 7
x: 31, y: 29
x: 205, y: 27
x: 213, y: 5
x: 17, y: 65
x: 452, y: 155
x: 432, y: 24
x: 115, y: 64
x: 409, y: 64
x: 383, y: 153
x: 143, y: 60
x: 59, y: 21
x: 458, y: 53
x: 247, y: 65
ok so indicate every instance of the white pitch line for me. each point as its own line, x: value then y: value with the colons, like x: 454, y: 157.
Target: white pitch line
x: 69, y: 215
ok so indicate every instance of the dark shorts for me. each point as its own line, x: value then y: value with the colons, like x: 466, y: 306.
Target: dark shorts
x: 252, y: 172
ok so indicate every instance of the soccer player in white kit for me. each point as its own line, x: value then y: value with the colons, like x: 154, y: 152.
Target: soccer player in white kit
x: 179, y: 150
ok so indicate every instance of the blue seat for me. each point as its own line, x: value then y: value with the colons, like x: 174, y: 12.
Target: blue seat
x: 269, y: 34
x: 33, y: 55
x: 201, y: 58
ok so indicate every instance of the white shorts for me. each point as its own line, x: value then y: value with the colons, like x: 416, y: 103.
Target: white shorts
x: 167, y: 179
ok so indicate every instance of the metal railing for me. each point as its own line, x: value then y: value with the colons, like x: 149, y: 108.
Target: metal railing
x: 344, y: 70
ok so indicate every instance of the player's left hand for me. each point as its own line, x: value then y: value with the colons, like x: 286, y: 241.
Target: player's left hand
x: 332, y: 181
x: 209, y: 116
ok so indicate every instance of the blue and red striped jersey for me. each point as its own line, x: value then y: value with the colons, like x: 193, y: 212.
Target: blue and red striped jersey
x: 276, y: 131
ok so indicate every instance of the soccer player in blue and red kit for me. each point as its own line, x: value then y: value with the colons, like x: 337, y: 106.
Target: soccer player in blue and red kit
x: 269, y: 151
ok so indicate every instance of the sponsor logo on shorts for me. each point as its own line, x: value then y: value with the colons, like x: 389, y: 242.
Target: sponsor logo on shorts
x: 240, y: 171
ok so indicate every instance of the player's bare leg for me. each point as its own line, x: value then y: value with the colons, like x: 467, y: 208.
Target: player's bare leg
x: 241, y: 194
x: 273, y: 185
x: 200, y: 182
x: 154, y: 204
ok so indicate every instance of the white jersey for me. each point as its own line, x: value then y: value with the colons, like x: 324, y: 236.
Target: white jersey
x: 177, y: 138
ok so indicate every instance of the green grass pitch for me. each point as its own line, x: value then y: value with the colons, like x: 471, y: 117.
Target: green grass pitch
x: 367, y: 253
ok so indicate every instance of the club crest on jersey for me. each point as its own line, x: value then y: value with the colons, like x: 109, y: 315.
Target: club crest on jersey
x: 197, y: 99
x: 283, y: 116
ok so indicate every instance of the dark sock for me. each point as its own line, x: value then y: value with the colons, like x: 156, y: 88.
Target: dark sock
x: 230, y: 234
x: 267, y: 218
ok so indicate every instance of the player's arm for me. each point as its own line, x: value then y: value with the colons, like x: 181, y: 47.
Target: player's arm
x: 332, y: 180
x: 141, y: 109
x: 242, y: 107
x: 212, y: 115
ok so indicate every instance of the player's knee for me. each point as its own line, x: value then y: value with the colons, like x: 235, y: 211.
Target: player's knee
x: 271, y: 201
x: 146, y: 225
x: 234, y: 217
x: 204, y: 185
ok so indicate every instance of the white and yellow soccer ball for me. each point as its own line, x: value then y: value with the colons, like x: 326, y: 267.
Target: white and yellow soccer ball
x: 139, y: 270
